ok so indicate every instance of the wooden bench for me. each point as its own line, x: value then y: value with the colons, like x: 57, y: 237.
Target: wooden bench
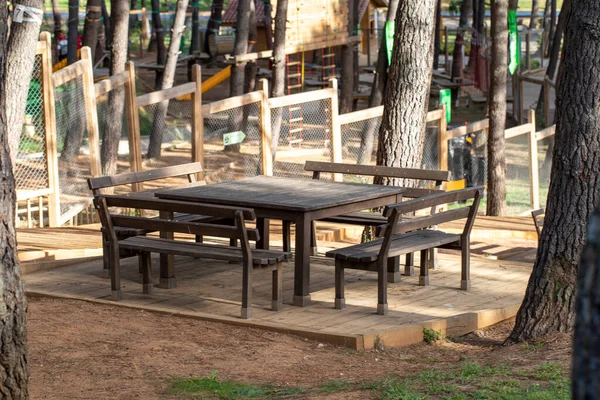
x: 136, y: 179
x: 143, y: 246
x: 538, y: 220
x: 403, y: 236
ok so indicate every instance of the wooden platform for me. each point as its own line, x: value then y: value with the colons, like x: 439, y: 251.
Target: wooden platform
x: 213, y: 293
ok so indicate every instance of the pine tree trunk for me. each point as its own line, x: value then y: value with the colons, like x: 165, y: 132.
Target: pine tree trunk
x: 13, y: 331
x: 438, y: 32
x: 552, y: 29
x: 93, y: 12
x: 133, y: 18
x: 347, y: 81
x: 535, y: 9
x: 249, y: 72
x: 377, y: 90
x: 407, y: 94
x: 57, y: 28
x: 73, y: 26
x: 158, y: 124
x: 161, y: 50
x: 268, y: 24
x: 22, y: 43
x: 586, y: 342
x: 278, y: 70
x: 242, y: 28
x: 212, y: 28
x: 195, y: 43
x: 107, y: 29
x: 116, y: 98
x: 496, y: 201
x: 546, y: 26
x: 574, y: 193
x: 457, y: 64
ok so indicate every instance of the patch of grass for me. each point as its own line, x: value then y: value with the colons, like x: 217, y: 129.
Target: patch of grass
x: 431, y: 335
x: 336, y: 385
x: 548, y: 372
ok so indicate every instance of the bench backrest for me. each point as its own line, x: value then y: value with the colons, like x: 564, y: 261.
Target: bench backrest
x: 439, y: 177
x: 396, y: 225
x: 538, y: 219
x: 103, y: 182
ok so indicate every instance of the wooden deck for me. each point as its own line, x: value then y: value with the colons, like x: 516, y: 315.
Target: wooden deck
x: 213, y: 292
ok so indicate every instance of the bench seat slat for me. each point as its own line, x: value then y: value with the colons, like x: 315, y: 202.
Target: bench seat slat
x: 402, y: 244
x: 123, y: 232
x: 192, y: 249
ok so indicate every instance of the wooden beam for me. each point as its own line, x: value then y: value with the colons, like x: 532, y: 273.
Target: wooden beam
x: 197, y: 121
x: 68, y: 73
x: 300, y: 98
x: 111, y: 83
x: 336, y: 131
x: 166, y: 94
x: 443, y: 141
x: 133, y: 119
x: 266, y: 136
x: 517, y: 131
x: 435, y: 115
x: 471, y: 128
x: 90, y: 111
x: 361, y: 115
x: 232, y: 102
x: 546, y: 133
x: 534, y: 173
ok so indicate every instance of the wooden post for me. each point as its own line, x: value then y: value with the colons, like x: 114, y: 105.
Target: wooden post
x: 534, y: 173
x: 50, y: 136
x: 266, y: 136
x: 521, y: 95
x: 527, y: 51
x: 546, y: 102
x: 446, y: 55
x: 197, y: 120
x: 90, y: 110
x: 336, y: 131
x: 133, y: 120
x: 443, y: 142
x: 542, y: 52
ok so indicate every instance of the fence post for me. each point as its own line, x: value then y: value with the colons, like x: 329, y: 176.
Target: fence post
x: 91, y: 111
x: 266, y: 136
x: 50, y: 126
x: 443, y: 142
x: 197, y: 121
x: 133, y: 133
x: 534, y: 176
x: 336, y: 131
x: 521, y: 105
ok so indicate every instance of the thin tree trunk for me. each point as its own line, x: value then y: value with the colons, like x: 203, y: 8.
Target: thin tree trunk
x: 535, y: 9
x: 13, y: 330
x: 116, y: 98
x: 574, y: 193
x: 57, y: 28
x: 463, y: 21
x: 546, y: 27
x: 347, y: 81
x: 496, y: 201
x: 133, y: 18
x: 195, y: 43
x: 586, y: 342
x: 161, y: 51
x: 407, y: 94
x: 268, y: 23
x: 241, y: 47
x: 73, y: 25
x: 22, y: 43
x: 107, y: 30
x: 93, y: 12
x: 438, y: 32
x: 552, y: 24
x: 377, y: 90
x: 158, y: 124
x: 249, y: 71
x: 278, y: 70
x: 212, y: 28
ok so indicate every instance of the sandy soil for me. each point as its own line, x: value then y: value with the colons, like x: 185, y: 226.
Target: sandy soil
x: 79, y: 350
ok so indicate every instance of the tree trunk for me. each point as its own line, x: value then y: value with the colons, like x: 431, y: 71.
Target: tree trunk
x: 463, y: 22
x: 268, y: 23
x: 93, y: 12
x: 278, y: 70
x: 438, y: 32
x: 249, y: 72
x: 13, y: 330
x: 552, y: 29
x: 574, y: 192
x: 22, y: 43
x: 535, y: 9
x: 347, y: 81
x: 546, y: 27
x: 407, y: 94
x: 496, y: 201
x: 57, y: 28
x: 161, y: 51
x: 212, y: 28
x: 73, y: 25
x: 377, y: 90
x: 107, y: 30
x: 195, y: 42
x: 241, y: 47
x: 158, y: 125
x: 116, y: 98
x: 133, y: 18
x: 586, y: 342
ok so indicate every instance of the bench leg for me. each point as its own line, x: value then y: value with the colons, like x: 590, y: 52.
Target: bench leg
x: 424, y: 275
x: 167, y: 261
x: 382, y: 306
x: 247, y: 291
x: 409, y: 265
x: 465, y: 257
x: 277, y: 294
x: 393, y: 264
x: 340, y: 301
x: 313, y: 239
x: 146, y: 266
x: 287, y: 235
x: 115, y: 272
x: 432, y: 259
x: 105, y: 257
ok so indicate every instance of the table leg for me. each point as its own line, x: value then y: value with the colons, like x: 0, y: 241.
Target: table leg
x: 262, y: 224
x: 167, y: 261
x: 302, y: 262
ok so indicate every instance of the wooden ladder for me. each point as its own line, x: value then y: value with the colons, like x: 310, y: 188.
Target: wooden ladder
x: 293, y: 67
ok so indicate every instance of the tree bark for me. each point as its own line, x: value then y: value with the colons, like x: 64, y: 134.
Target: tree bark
x: 161, y: 51
x: 586, y: 342
x: 278, y: 70
x: 268, y: 23
x: 13, y: 318
x: 93, y: 12
x: 535, y: 9
x: 546, y: 27
x: 241, y: 47
x: 438, y: 32
x: 249, y: 74
x: 496, y: 201
x: 407, y: 94
x: 574, y: 193
x: 377, y: 90
x: 347, y: 80
x: 212, y: 28
x: 463, y: 22
x: 107, y: 29
x: 57, y: 28
x: 73, y: 26
x: 195, y: 42
x: 158, y: 124
x: 116, y: 98
x: 22, y: 43
x: 552, y: 29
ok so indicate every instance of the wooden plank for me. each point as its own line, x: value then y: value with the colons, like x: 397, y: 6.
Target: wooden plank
x: 477, y: 126
x: 68, y: 73
x: 376, y: 170
x: 431, y: 201
x: 336, y: 132
x: 517, y: 131
x: 546, y: 133
x: 534, y: 173
x: 300, y: 98
x: 155, y: 225
x: 361, y: 115
x: 144, y: 176
x: 90, y: 111
x: 31, y: 194
x: 266, y: 136
x: 243, y: 58
x: 232, y: 102
x: 434, y: 115
x: 443, y: 142
x: 166, y: 94
x: 197, y: 121
x: 111, y: 83
x: 531, y: 79
x: 133, y: 119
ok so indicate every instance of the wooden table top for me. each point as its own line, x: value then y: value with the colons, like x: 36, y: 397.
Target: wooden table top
x: 291, y: 194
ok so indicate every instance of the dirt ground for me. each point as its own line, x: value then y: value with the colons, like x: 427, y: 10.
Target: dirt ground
x: 79, y: 350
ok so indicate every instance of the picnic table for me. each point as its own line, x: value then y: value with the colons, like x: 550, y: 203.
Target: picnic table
x: 300, y: 201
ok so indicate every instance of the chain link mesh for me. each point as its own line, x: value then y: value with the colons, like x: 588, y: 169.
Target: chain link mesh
x: 304, y: 134
x: 518, y: 195
x: 544, y: 158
